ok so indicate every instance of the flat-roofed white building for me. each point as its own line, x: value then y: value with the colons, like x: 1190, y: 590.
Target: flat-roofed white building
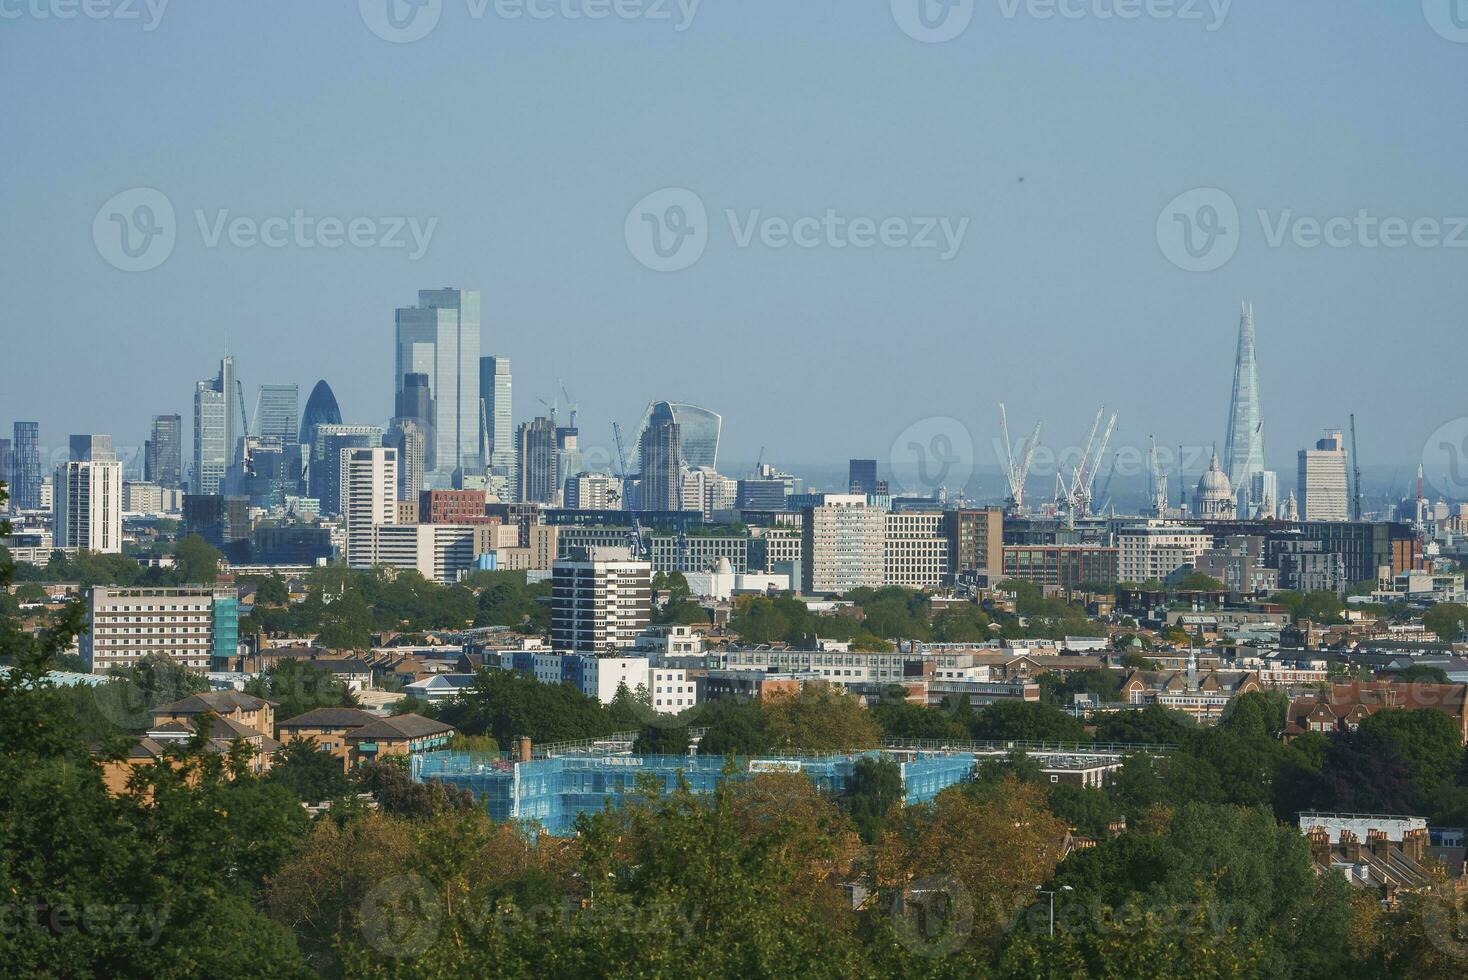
x: 1156, y: 549
x: 441, y: 553
x: 187, y: 625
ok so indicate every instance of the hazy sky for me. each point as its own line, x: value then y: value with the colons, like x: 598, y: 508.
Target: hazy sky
x: 1049, y: 147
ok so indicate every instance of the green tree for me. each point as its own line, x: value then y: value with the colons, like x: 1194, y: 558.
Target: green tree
x: 1029, y: 721
x: 310, y: 774
x: 874, y: 789
x: 1447, y: 620
x: 298, y: 686
x: 196, y: 561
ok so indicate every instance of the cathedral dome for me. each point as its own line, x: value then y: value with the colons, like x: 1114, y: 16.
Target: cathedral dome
x: 1215, y: 495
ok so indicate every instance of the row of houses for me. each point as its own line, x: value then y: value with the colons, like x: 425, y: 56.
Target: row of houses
x: 232, y: 718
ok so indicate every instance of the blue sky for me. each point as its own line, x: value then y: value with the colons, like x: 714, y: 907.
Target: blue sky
x: 1059, y: 141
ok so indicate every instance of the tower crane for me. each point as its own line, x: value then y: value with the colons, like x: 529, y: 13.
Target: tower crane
x: 1016, y: 473
x: 1157, y: 481
x: 1355, y: 474
x: 635, y: 542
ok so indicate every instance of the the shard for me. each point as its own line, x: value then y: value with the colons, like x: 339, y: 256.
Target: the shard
x: 1244, y: 450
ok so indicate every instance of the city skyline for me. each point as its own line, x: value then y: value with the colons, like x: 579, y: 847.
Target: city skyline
x: 1060, y: 284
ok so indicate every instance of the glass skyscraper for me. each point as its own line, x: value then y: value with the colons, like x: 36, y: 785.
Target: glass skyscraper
x: 440, y: 338
x: 211, y: 458
x: 1243, y: 452
x: 497, y: 439
x: 699, y: 431
x: 25, y: 464
x: 321, y: 409
x: 163, y: 453
x: 662, y: 458
x: 275, y: 412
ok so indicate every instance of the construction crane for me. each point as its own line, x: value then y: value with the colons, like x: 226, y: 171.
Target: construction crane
x: 1355, y: 474
x: 1088, y: 494
x: 1157, y: 481
x: 570, y: 403
x: 1076, y: 494
x: 1104, y: 497
x: 554, y: 407
x: 635, y: 542
x: 1016, y: 473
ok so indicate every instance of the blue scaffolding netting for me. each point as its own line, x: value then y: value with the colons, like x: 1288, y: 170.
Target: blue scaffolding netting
x: 552, y: 793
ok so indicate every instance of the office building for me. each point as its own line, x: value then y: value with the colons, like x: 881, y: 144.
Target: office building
x: 324, y: 471
x: 1243, y: 451
x: 497, y: 440
x: 600, y: 600
x: 568, y: 454
x: 699, y: 431
x: 25, y: 450
x: 1058, y: 566
x: 843, y: 545
x: 975, y: 543
x: 660, y: 450
x: 291, y: 544
x: 369, y: 493
x: 1152, y: 551
x: 592, y: 491
x: 862, y: 476
x: 194, y: 627
x: 1325, y: 481
x: 275, y: 412
x: 91, y: 448
x: 219, y: 427
x: 708, y: 492
x: 87, y: 505
x: 223, y: 521
x: 915, y: 550
x: 142, y: 497
x: 7, y: 473
x: 453, y: 507
x: 439, y: 338
x: 756, y: 494
x: 163, y: 452
x: 411, y: 442
x: 537, y: 458
x: 699, y: 552
x: 210, y: 456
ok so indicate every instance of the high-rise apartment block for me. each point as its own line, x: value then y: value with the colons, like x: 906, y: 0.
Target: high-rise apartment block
x: 538, y: 461
x: 87, y: 505
x: 369, y: 493
x: 843, y: 545
x: 1325, y: 481
x: 600, y: 601
x: 25, y: 457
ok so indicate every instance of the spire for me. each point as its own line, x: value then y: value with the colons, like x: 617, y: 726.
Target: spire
x: 1243, y: 454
